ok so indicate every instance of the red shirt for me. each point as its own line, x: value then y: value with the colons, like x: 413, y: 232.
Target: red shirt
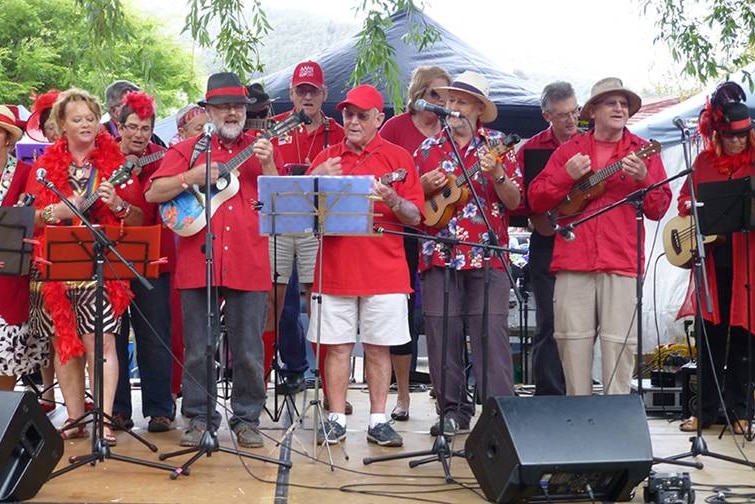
x: 402, y: 131
x: 367, y: 265
x: 240, y: 253
x: 14, y: 290
x: 607, y: 243
x: 707, y: 171
x: 300, y: 146
x: 152, y: 212
x: 543, y: 140
x: 466, y: 224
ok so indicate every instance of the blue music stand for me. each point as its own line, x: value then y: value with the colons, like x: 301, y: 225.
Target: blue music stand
x: 326, y: 205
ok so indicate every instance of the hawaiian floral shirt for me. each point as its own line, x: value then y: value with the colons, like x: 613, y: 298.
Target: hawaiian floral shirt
x: 466, y: 223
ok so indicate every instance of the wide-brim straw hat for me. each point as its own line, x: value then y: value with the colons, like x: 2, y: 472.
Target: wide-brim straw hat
x: 474, y: 84
x: 8, y: 123
x: 607, y: 86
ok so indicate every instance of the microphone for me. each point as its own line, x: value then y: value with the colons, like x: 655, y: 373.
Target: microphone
x: 41, y: 174
x: 565, y: 232
x: 679, y: 123
x: 436, y: 109
x: 208, y: 129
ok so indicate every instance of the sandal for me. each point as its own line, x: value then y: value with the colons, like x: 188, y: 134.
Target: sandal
x: 71, y: 431
x: 690, y: 425
x: 740, y: 426
x: 109, y: 437
x: 400, y: 414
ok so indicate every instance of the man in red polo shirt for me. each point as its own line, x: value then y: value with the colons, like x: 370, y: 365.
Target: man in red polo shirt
x: 299, y: 147
x: 594, y: 293
x: 560, y: 109
x: 365, y: 280
x: 150, y: 313
x: 240, y: 270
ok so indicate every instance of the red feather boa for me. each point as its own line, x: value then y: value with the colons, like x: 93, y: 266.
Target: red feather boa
x: 106, y: 157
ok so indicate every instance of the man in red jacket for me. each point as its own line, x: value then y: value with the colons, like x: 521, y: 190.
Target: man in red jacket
x: 596, y: 271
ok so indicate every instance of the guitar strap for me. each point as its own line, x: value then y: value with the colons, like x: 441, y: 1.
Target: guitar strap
x: 200, y: 146
x: 325, y: 143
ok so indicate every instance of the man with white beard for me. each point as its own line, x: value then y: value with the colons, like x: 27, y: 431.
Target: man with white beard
x: 240, y: 270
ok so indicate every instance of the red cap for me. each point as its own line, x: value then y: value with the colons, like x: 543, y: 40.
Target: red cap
x: 308, y: 72
x: 363, y: 97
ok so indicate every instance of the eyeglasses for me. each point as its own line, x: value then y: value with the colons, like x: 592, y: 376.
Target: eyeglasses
x: 303, y: 90
x: 227, y: 107
x: 564, y: 116
x: 361, y: 115
x: 433, y: 94
x: 134, y: 128
x: 612, y: 103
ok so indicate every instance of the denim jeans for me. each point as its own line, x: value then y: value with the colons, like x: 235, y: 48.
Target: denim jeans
x: 152, y: 350
x: 245, y: 314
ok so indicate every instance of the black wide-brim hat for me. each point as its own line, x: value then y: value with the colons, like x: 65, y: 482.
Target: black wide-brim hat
x: 260, y: 99
x: 225, y: 87
x: 736, y: 118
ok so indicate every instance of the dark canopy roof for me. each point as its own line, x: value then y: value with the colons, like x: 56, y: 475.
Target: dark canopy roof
x: 516, y: 98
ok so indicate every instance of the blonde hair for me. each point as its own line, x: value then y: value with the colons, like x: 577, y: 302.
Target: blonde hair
x: 70, y: 96
x: 420, y: 82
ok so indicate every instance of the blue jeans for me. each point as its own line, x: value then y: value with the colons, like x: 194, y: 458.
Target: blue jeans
x: 245, y: 314
x: 292, y: 343
x: 152, y: 350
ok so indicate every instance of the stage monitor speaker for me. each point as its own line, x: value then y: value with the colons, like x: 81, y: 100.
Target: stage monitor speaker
x: 30, y: 447
x: 556, y: 448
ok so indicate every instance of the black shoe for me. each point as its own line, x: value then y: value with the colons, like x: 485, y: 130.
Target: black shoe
x: 121, y: 422
x: 292, y: 385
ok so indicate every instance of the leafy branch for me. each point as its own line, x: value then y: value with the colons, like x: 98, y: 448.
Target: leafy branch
x: 711, y: 39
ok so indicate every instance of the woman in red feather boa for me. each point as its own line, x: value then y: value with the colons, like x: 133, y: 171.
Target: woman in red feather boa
x: 729, y: 154
x: 78, y: 164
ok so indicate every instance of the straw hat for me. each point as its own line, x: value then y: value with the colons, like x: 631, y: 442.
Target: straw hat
x: 473, y: 84
x: 607, y: 86
x: 8, y: 123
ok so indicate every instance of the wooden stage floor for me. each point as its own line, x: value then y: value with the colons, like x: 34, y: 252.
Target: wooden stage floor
x: 228, y: 478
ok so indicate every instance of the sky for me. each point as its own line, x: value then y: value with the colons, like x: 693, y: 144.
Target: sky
x: 577, y: 40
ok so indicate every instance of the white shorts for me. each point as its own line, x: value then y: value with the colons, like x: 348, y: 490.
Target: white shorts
x: 381, y: 319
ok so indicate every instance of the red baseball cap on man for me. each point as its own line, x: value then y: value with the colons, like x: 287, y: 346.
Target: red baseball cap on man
x: 363, y: 97
x: 308, y: 72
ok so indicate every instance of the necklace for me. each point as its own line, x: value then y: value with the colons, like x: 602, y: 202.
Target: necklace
x: 5, y: 181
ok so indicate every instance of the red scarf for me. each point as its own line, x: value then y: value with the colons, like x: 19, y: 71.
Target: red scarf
x: 106, y: 158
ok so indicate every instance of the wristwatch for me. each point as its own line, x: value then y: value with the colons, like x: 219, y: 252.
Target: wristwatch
x: 501, y: 179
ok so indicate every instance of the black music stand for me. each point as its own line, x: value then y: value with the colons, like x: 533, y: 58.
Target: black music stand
x: 16, y: 231
x: 79, y: 253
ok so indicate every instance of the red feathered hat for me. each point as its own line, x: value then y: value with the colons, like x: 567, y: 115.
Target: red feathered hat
x: 721, y: 108
x: 139, y: 103
x: 45, y: 101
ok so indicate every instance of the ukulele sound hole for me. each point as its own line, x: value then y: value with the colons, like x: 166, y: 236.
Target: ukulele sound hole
x: 446, y: 192
x: 221, y: 183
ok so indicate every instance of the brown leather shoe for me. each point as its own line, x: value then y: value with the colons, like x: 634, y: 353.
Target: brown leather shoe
x: 688, y: 424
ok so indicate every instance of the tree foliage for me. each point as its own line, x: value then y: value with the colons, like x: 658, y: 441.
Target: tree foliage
x: 711, y: 39
x: 63, y: 43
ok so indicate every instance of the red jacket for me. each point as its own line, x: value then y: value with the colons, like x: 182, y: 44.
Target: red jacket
x: 705, y: 171
x: 607, y: 243
x: 14, y: 290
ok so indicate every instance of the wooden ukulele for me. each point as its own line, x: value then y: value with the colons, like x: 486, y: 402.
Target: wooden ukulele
x: 679, y: 241
x: 442, y: 204
x: 593, y: 184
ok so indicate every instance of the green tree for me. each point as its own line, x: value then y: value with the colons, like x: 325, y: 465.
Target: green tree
x: 710, y: 38
x: 242, y: 29
x: 48, y: 44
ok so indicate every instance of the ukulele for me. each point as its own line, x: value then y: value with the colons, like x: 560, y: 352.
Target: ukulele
x: 679, y: 241
x: 593, y: 184
x: 184, y: 214
x: 442, y: 204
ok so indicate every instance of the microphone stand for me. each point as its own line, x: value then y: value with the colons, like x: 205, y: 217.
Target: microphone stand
x: 100, y: 447
x: 440, y: 451
x: 209, y: 444
x: 637, y: 199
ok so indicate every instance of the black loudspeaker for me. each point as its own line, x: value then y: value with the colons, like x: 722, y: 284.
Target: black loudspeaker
x: 543, y: 449
x: 30, y: 447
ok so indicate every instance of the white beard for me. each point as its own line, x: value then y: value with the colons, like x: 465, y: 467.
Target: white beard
x: 229, y: 132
